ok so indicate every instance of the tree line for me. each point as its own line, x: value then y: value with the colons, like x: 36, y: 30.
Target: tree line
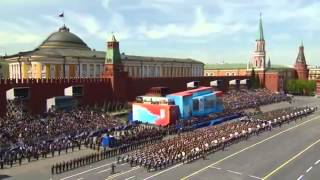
x: 301, y: 87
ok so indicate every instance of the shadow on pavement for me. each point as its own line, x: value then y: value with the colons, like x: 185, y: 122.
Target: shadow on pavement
x: 2, y: 176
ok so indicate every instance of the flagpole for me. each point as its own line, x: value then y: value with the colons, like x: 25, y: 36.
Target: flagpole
x: 64, y: 19
x: 61, y: 15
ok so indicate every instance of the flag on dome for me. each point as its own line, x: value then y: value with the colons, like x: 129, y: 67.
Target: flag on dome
x: 61, y: 15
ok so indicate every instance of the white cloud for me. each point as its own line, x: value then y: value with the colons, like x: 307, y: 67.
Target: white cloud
x: 86, y: 21
x: 18, y: 38
x: 201, y: 27
x: 88, y: 25
x: 164, y: 6
x: 20, y: 31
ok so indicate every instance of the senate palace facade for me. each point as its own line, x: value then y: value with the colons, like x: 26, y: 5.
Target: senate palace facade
x: 65, y: 55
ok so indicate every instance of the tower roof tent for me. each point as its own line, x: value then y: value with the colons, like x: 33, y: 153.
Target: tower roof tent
x: 260, y: 35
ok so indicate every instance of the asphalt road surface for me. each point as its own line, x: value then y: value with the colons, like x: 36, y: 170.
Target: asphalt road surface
x: 289, y: 152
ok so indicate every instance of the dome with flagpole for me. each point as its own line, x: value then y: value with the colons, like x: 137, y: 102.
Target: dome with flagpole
x: 63, y: 38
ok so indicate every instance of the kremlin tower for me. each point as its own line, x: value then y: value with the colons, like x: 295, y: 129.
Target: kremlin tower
x: 301, y: 65
x: 259, y: 55
x: 113, y: 69
x: 258, y: 61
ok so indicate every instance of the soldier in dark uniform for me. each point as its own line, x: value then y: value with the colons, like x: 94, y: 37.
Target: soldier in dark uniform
x: 60, y: 167
x: 59, y: 150
x: 113, y: 168
x: 131, y: 162
x: 1, y: 163
x: 52, y: 152
x: 20, y: 160
x: 29, y: 157
x: 204, y: 155
x: 149, y: 167
x: 75, y: 163
x: 67, y: 166
x: 11, y: 162
x: 56, y: 167
x: 63, y: 166
x: 52, y: 169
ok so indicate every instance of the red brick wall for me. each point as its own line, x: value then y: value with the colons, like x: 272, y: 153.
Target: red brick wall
x: 272, y: 82
x: 302, y: 71
x: 139, y: 86
x: 97, y: 91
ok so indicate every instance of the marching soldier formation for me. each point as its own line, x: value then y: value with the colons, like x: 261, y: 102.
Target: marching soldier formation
x: 95, y: 157
x: 198, y: 143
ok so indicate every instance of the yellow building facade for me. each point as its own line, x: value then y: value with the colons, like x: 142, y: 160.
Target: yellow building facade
x: 65, y: 55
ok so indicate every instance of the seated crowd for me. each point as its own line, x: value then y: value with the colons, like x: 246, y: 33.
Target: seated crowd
x: 243, y: 99
x: 31, y: 136
x: 235, y: 101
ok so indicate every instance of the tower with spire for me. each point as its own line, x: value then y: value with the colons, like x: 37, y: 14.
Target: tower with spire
x: 259, y: 56
x: 269, y: 63
x: 113, y: 69
x: 301, y: 65
x: 112, y: 63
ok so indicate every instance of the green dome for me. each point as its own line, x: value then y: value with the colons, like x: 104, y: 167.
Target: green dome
x: 63, y: 39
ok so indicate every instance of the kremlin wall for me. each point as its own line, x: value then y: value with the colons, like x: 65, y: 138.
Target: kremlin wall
x: 99, y: 90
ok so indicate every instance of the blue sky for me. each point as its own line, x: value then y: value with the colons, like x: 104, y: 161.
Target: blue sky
x: 208, y: 30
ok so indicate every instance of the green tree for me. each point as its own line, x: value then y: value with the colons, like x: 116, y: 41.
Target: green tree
x: 301, y: 87
x: 254, y: 79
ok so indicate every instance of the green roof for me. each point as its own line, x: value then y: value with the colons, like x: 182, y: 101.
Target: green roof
x: 226, y: 66
x: 237, y: 66
x: 278, y: 69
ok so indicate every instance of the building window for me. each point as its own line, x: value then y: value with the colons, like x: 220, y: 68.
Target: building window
x: 145, y: 71
x: 158, y: 71
x: 129, y: 71
x: 29, y: 70
x: 76, y: 70
x: 98, y: 70
x: 91, y: 70
x: 52, y: 71
x: 61, y: 71
x: 43, y: 71
x: 84, y: 70
x: 66, y: 71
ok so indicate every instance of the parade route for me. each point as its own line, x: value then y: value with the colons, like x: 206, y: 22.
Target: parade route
x: 252, y: 159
